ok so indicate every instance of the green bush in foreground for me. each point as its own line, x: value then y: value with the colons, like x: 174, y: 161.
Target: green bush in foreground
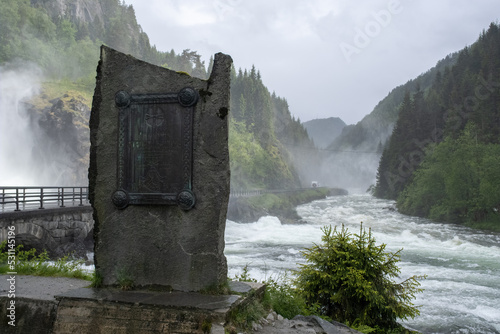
x: 284, y: 299
x: 280, y: 295
x: 348, y: 278
x: 28, y: 263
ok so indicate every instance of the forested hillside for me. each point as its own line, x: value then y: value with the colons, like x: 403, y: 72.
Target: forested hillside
x: 62, y: 38
x: 443, y: 158
x: 374, y: 129
x: 262, y: 135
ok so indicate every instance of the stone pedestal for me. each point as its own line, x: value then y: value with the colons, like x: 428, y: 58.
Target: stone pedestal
x: 159, y: 174
x: 63, y: 305
x: 114, y: 311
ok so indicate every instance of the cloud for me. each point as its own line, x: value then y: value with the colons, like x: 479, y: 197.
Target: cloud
x: 296, y: 44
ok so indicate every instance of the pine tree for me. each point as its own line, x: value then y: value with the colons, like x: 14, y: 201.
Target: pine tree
x: 350, y: 279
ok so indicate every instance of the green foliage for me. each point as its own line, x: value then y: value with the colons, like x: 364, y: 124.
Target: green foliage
x: 216, y: 289
x: 268, y: 202
x: 255, y: 166
x: 286, y: 201
x: 442, y: 159
x: 402, y: 156
x: 366, y: 135
x: 243, y: 316
x: 349, y: 278
x: 67, y: 48
x: 124, y: 279
x: 282, y: 204
x: 457, y: 182
x: 29, y: 263
x: 206, y: 326
x: 284, y: 298
x: 96, y: 280
x: 280, y: 295
x: 244, y: 276
x: 262, y: 135
x: 308, y: 195
x: 363, y: 328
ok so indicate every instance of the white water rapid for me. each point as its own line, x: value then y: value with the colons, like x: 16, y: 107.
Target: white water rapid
x: 462, y: 290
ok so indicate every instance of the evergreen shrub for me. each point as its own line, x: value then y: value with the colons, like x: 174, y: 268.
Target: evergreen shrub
x: 350, y: 279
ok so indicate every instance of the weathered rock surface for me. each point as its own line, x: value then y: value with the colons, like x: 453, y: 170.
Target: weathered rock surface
x: 153, y: 244
x: 68, y: 305
x: 276, y: 324
x: 59, y: 127
x: 87, y: 11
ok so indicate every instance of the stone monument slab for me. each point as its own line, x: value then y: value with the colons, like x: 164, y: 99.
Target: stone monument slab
x: 159, y: 174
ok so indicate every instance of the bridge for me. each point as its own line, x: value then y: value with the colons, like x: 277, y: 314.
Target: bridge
x: 58, y: 219
x: 30, y: 198
x: 33, y: 198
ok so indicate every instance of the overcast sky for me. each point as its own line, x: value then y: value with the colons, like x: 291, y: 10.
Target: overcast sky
x: 328, y: 58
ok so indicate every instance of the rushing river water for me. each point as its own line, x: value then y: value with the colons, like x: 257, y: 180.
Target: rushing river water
x: 462, y: 289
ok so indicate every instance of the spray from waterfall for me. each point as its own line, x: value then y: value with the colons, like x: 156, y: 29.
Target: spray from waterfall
x: 17, y: 142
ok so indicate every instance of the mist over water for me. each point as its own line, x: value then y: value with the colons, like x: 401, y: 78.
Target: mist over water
x: 462, y: 290
x: 351, y: 170
x: 16, y: 134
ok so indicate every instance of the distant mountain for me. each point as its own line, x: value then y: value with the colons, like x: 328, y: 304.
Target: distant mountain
x: 324, y: 131
x: 351, y: 160
x: 375, y: 128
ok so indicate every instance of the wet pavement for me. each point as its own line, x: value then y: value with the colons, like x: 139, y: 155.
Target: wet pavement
x: 38, y: 287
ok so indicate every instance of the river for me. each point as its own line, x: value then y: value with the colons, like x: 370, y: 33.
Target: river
x: 462, y: 289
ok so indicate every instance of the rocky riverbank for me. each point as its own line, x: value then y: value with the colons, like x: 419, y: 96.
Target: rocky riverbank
x: 276, y: 324
x: 281, y: 205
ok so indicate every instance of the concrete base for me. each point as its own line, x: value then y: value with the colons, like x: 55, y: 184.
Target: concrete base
x: 116, y: 311
x: 109, y: 310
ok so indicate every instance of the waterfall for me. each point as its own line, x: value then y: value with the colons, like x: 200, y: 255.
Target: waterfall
x: 16, y: 135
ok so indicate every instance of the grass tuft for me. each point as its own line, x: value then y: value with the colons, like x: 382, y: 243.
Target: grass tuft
x: 29, y: 263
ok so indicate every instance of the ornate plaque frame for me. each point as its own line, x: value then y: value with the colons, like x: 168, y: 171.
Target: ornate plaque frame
x: 155, y: 149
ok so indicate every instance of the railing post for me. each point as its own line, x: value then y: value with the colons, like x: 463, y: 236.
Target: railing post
x: 62, y: 197
x: 41, y: 199
x: 81, y: 196
x: 17, y: 200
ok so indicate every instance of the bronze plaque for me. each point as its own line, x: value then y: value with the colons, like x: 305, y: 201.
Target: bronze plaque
x: 155, y: 148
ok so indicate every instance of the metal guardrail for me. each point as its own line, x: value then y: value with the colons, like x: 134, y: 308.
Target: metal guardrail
x: 245, y: 193
x: 250, y: 193
x: 32, y: 198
